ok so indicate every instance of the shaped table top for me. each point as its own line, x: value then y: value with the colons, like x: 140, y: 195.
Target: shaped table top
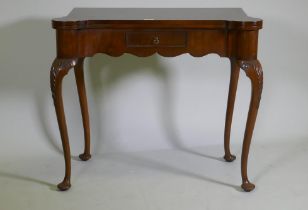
x: 84, y: 18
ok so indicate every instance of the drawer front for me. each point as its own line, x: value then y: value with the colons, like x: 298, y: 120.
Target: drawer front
x: 156, y: 38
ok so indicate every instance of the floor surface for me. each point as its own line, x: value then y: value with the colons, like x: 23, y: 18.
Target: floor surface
x: 193, y: 179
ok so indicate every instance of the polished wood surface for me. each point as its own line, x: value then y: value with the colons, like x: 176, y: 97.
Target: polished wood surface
x: 81, y: 18
x: 228, y: 32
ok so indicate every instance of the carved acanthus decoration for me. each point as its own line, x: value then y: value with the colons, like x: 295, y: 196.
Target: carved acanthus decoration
x: 253, y: 70
x: 59, y: 66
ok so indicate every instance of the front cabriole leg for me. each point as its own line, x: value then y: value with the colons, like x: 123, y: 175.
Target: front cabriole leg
x: 59, y: 69
x: 253, y: 70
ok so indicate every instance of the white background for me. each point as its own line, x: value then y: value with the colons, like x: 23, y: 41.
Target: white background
x: 142, y: 104
x: 139, y: 104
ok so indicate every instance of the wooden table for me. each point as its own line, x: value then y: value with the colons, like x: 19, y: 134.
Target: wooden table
x: 228, y: 32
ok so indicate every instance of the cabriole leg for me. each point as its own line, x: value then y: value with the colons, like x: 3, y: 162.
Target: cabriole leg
x: 79, y: 75
x: 59, y: 69
x: 254, y: 72
x: 235, y: 69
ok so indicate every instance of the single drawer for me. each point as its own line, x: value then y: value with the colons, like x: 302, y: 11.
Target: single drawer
x: 156, y: 38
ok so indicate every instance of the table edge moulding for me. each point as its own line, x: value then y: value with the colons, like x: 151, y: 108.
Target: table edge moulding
x: 228, y: 32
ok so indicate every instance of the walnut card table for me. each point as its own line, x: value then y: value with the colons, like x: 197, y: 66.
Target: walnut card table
x: 228, y: 32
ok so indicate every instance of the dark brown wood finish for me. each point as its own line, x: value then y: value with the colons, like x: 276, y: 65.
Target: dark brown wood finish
x: 228, y: 32
x: 84, y: 108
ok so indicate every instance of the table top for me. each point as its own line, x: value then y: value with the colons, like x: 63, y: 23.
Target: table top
x: 80, y: 18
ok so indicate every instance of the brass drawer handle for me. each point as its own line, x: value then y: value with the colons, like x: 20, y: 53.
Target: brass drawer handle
x: 156, y: 40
